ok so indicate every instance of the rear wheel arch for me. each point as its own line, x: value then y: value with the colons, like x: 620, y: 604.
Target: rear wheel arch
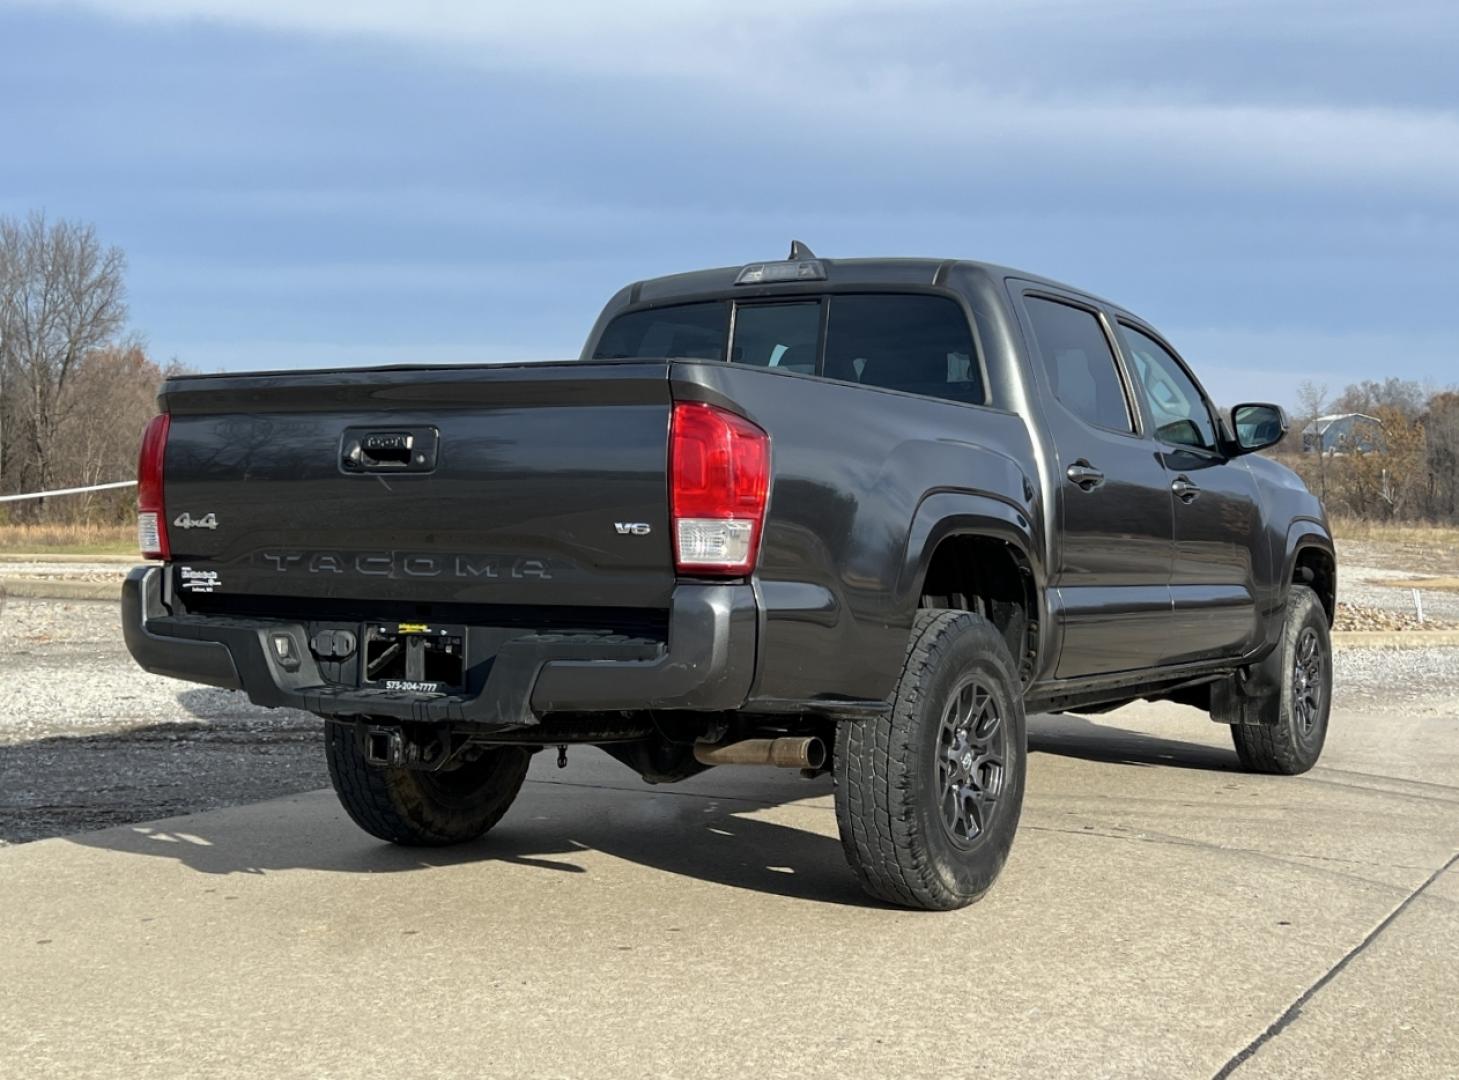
x: 983, y: 565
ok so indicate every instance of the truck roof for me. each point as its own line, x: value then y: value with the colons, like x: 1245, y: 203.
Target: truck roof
x: 883, y: 271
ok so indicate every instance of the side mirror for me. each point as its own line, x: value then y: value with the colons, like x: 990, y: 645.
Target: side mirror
x: 1257, y: 426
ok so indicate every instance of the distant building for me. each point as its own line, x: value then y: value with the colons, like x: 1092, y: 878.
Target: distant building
x: 1343, y: 433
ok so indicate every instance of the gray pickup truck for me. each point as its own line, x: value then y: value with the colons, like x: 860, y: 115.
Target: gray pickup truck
x: 845, y: 516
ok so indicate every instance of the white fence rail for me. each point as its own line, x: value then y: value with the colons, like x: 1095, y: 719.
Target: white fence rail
x: 67, y: 491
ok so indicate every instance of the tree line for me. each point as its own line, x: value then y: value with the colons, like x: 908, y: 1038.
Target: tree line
x: 76, y: 388
x: 1411, y: 474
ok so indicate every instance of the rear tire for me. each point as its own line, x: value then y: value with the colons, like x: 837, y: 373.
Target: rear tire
x: 416, y: 808
x: 1294, y: 742
x: 928, y: 798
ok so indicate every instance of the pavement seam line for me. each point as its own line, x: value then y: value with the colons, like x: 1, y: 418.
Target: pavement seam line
x: 1147, y: 837
x: 1294, y: 1010
x: 1389, y: 779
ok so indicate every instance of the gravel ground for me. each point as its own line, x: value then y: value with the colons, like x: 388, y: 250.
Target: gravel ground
x: 1361, y: 566
x: 64, y: 670
x: 1412, y: 681
x: 89, y: 740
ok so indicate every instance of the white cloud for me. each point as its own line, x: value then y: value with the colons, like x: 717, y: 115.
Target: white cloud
x: 654, y: 36
x: 822, y: 71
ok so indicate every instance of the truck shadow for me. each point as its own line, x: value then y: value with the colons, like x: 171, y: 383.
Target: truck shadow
x: 711, y: 828
x: 1071, y: 736
x: 716, y: 828
x: 555, y: 828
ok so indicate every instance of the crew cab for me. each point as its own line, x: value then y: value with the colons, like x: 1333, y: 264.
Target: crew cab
x: 851, y: 516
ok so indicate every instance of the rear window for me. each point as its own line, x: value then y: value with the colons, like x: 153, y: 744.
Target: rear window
x: 693, y: 331
x: 778, y: 335
x: 913, y: 342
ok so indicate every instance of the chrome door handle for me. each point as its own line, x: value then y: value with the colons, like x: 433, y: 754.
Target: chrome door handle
x: 1184, y: 490
x: 1085, y: 475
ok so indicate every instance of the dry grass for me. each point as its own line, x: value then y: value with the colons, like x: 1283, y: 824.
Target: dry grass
x: 1416, y: 548
x: 1388, y: 532
x: 1444, y: 584
x: 69, y: 539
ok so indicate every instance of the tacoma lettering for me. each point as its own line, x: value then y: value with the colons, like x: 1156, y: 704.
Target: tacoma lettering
x: 396, y: 564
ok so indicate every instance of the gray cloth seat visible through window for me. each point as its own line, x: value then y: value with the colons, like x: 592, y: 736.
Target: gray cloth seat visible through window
x: 1073, y: 383
x: 927, y: 373
x: 801, y: 358
x: 1084, y: 395
x: 909, y: 373
x: 694, y: 346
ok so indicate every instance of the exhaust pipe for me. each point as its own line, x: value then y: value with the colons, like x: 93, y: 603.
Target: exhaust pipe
x: 789, y: 753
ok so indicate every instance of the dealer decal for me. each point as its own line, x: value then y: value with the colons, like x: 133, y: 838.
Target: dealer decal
x: 199, y: 581
x: 413, y: 687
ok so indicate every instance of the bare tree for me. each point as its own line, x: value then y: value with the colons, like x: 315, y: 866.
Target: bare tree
x: 65, y: 298
x: 1311, y: 401
x: 7, y: 305
x: 1403, y: 396
x: 1441, y: 428
x: 1311, y: 404
x: 111, y: 397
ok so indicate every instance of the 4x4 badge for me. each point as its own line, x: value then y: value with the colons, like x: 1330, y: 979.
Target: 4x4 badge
x: 187, y: 521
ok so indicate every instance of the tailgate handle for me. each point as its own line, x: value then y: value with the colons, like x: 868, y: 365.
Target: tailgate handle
x: 387, y: 449
x: 390, y: 450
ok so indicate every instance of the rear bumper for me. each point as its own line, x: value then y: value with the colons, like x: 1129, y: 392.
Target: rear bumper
x: 708, y: 663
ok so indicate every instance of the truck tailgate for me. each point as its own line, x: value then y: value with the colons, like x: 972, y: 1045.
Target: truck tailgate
x: 533, y: 485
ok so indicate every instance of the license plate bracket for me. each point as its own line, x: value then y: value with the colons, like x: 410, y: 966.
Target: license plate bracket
x: 416, y: 657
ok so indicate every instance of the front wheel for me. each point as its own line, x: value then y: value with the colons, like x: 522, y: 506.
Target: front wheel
x: 1292, y: 740
x: 928, y: 798
x: 416, y: 808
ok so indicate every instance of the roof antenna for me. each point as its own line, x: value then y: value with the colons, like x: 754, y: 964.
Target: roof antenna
x: 799, y: 251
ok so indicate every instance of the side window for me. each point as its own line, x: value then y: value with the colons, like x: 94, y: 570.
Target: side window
x: 693, y: 331
x: 1080, y: 365
x: 1175, y: 402
x: 918, y: 344
x: 778, y: 335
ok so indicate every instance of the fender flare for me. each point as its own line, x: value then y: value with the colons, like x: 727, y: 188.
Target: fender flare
x: 947, y: 513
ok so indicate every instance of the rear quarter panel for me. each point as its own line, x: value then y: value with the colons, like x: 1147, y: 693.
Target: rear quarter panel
x: 864, y: 483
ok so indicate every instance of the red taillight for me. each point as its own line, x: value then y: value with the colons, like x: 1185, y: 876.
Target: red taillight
x: 719, y: 480
x: 151, y: 515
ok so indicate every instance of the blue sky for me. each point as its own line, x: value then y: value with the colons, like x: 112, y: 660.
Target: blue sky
x: 1274, y: 184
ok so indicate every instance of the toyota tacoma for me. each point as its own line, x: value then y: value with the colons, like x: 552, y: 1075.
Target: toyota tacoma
x: 843, y: 516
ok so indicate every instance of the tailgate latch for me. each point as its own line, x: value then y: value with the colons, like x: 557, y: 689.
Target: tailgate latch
x: 398, y: 450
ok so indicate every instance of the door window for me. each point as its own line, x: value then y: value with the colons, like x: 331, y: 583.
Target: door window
x: 1176, y: 403
x: 1080, y: 365
x: 914, y: 343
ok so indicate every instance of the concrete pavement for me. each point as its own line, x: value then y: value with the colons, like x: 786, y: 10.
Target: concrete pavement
x: 1161, y: 916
